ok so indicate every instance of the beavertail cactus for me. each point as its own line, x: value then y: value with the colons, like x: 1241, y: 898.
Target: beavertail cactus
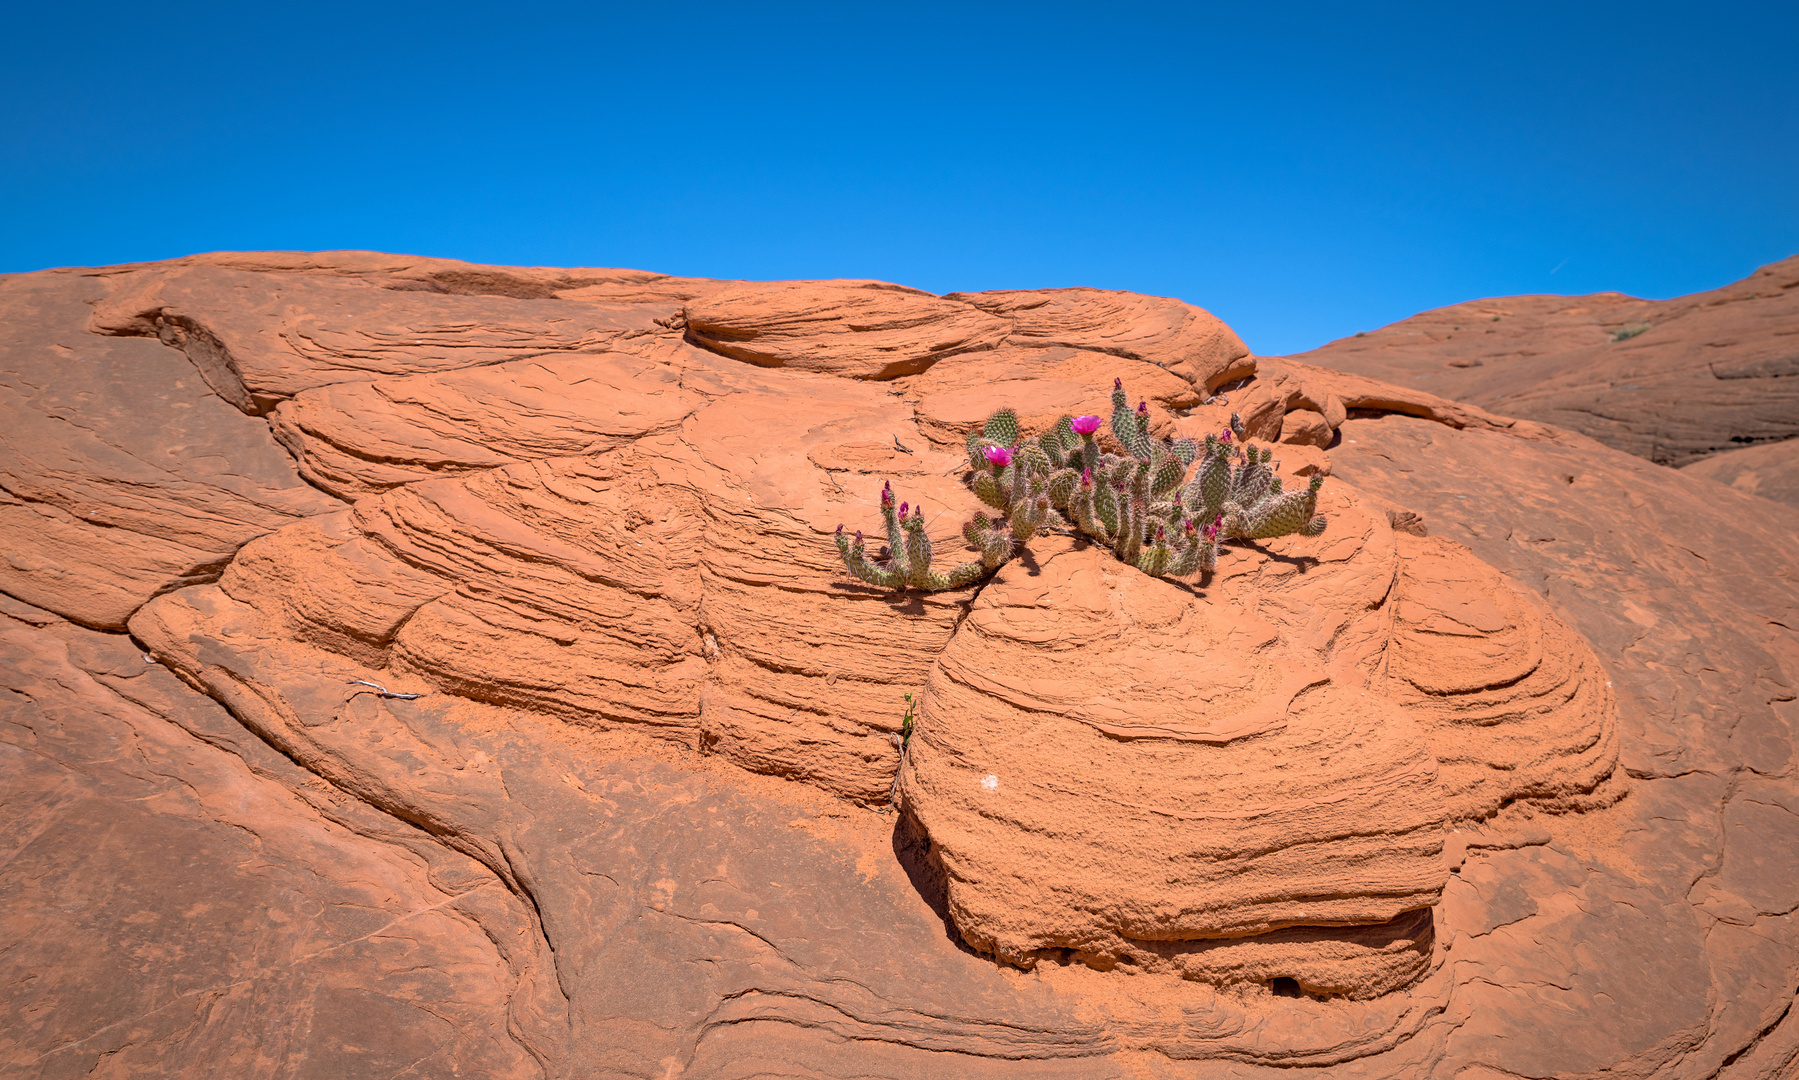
x: 1141, y: 503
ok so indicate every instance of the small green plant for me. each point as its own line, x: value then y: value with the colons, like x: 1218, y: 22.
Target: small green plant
x: 1140, y: 504
x: 901, y: 742
x: 1629, y: 330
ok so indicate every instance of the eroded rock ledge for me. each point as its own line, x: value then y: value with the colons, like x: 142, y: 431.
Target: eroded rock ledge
x: 1252, y: 781
x: 586, y: 510
x: 607, y: 517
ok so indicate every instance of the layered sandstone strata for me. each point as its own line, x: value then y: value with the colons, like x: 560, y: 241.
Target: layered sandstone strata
x: 1252, y: 780
x: 1669, y: 380
x: 567, y: 659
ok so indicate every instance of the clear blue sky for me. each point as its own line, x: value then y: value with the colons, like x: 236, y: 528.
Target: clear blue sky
x: 1305, y: 171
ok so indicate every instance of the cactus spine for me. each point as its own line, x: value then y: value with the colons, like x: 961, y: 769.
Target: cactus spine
x: 1140, y: 503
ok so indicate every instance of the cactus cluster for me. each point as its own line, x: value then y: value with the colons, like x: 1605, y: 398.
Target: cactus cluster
x: 1140, y: 504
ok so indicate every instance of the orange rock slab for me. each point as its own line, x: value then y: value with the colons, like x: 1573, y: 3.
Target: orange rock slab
x: 1219, y: 782
x: 860, y: 329
x: 1189, y: 341
x: 260, y: 338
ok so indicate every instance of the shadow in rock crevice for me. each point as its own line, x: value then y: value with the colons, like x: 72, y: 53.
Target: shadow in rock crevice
x: 912, y: 849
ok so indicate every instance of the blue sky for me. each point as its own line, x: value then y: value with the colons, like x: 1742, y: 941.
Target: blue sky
x: 1303, y: 171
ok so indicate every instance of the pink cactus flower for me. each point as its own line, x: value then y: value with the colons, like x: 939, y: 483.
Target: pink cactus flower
x: 1161, y: 534
x: 1087, y: 478
x: 1211, y: 532
x: 1085, y: 425
x: 1225, y: 435
x: 1118, y: 384
x: 1142, y: 408
x: 886, y: 494
x: 858, y: 537
x: 839, y: 529
x: 1187, y: 527
x: 998, y: 456
x: 903, y: 509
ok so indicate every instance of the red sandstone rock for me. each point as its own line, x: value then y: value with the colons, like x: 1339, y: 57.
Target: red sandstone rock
x: 1374, y: 767
x: 259, y: 338
x: 1041, y: 385
x: 1770, y: 471
x: 179, y: 899
x: 1670, y: 380
x: 1189, y: 341
x: 121, y: 476
x: 1212, y: 766
x: 864, y: 329
x: 360, y: 437
x: 1305, y: 428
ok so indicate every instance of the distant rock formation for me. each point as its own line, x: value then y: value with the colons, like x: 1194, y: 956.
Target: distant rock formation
x: 1668, y: 380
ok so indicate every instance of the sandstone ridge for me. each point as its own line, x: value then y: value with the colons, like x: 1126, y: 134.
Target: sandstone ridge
x: 536, y: 626
x: 1669, y: 380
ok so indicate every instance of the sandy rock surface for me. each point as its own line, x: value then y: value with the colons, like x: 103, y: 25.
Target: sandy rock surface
x: 121, y: 474
x: 1186, y: 340
x: 1770, y: 470
x: 1669, y: 380
x: 546, y: 735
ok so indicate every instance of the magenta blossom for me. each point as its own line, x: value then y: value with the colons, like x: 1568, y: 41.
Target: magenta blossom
x: 1187, y: 527
x: 886, y: 494
x: 903, y: 509
x: 1225, y: 435
x: 1142, y: 408
x: 1085, y: 425
x: 1086, y: 478
x: 998, y: 456
x: 1211, y: 532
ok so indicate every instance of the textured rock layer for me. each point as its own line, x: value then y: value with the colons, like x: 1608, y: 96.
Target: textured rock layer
x: 563, y: 747
x: 1770, y: 471
x: 1669, y: 380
